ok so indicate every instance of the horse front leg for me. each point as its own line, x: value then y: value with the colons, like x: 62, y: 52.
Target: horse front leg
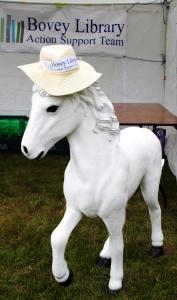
x: 114, y: 224
x: 59, y: 239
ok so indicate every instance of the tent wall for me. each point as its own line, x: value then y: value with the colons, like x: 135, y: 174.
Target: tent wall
x: 124, y: 79
x: 171, y: 65
x: 88, y: 1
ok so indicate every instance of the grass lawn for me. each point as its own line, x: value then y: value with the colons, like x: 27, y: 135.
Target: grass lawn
x: 32, y: 204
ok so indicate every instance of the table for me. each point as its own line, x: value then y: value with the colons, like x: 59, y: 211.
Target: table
x: 144, y: 114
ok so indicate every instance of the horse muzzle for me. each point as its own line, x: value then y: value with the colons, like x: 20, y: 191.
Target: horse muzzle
x: 29, y: 155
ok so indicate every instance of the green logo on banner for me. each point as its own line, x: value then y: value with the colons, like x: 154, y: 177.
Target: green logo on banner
x: 11, y: 31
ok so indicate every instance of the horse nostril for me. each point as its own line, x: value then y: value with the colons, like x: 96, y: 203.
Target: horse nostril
x: 25, y: 149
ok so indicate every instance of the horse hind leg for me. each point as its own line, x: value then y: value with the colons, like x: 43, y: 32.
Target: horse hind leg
x: 105, y: 255
x: 150, y: 188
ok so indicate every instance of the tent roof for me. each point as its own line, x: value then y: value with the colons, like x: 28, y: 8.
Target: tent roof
x: 87, y: 1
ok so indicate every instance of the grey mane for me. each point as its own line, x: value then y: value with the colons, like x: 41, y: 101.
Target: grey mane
x: 102, y: 108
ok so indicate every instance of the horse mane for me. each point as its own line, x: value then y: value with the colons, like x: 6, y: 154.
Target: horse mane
x: 101, y: 106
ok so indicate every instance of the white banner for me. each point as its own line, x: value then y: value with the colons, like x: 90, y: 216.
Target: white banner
x: 89, y: 29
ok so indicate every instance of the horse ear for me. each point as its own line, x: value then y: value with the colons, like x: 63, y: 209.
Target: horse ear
x: 42, y: 93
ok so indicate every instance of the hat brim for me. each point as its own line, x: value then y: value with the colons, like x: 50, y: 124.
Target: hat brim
x: 59, y: 84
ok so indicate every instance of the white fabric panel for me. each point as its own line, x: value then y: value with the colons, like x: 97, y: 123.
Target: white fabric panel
x: 14, y: 86
x: 124, y: 79
x: 171, y: 65
x: 171, y: 86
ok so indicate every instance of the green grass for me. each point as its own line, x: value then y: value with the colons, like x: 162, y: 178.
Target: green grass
x: 32, y: 204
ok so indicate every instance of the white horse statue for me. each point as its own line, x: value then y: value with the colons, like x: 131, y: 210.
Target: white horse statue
x: 106, y: 167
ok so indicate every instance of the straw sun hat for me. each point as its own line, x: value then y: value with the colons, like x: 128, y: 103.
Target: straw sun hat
x: 59, y: 72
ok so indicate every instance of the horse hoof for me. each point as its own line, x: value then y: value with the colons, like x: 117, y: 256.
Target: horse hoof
x: 104, y: 262
x: 69, y: 280
x: 156, y: 251
x: 113, y: 292
x: 66, y: 282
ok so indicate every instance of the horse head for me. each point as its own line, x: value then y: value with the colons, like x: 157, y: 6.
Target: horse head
x: 51, y: 119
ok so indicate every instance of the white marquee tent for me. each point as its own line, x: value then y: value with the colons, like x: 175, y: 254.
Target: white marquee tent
x: 138, y: 76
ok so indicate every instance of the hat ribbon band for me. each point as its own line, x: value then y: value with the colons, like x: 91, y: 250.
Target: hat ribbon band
x: 60, y: 65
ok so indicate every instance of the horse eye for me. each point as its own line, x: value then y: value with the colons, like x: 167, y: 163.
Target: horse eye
x: 52, y: 108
